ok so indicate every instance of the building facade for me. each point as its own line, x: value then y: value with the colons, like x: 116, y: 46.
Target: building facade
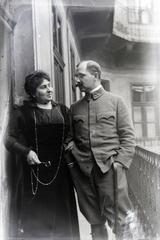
x: 54, y: 35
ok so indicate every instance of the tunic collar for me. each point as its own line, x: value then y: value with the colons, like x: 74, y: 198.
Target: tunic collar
x: 95, y: 95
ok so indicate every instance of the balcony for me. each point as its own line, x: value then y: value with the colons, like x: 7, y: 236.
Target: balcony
x: 149, y: 142
x: 144, y: 188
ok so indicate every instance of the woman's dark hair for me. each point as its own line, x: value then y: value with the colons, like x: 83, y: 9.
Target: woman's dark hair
x: 32, y: 81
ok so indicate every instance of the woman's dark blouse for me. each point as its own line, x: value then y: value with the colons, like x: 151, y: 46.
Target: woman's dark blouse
x: 23, y: 122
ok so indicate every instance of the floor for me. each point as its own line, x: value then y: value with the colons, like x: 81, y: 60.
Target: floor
x: 85, y: 229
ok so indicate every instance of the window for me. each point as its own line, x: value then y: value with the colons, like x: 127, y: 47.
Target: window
x: 139, y: 11
x: 57, y: 31
x: 59, y: 83
x: 58, y: 58
x: 145, y: 110
x: 72, y: 57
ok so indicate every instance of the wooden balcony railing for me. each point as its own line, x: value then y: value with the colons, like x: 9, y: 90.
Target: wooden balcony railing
x: 144, y: 188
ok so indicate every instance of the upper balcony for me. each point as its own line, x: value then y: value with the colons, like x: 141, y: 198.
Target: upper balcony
x: 117, y: 33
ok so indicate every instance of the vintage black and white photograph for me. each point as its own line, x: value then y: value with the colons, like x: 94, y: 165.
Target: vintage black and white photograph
x: 79, y: 119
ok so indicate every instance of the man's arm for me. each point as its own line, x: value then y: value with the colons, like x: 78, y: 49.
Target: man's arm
x: 69, y: 141
x: 126, y: 135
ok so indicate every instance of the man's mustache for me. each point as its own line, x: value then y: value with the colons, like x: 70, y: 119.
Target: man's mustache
x: 78, y: 84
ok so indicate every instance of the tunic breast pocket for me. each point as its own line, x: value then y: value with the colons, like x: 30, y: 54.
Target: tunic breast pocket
x: 79, y: 121
x: 106, y: 119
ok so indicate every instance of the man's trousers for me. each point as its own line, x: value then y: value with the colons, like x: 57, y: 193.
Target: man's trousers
x: 96, y: 195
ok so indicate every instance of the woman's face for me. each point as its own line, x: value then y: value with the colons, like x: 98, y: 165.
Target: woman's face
x: 44, y: 92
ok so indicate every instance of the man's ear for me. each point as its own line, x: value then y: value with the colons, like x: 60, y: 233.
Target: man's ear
x: 96, y: 75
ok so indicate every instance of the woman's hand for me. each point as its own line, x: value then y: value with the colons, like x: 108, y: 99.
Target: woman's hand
x: 32, y: 158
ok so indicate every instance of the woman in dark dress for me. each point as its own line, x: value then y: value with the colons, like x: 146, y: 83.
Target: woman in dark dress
x: 43, y: 204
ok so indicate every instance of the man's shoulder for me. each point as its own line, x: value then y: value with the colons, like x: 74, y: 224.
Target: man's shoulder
x: 107, y: 95
x: 112, y: 96
x: 80, y: 101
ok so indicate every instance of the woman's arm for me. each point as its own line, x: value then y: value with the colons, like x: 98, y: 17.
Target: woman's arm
x: 13, y: 132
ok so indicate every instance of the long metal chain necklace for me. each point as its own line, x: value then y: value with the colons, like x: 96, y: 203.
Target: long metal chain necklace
x: 60, y: 158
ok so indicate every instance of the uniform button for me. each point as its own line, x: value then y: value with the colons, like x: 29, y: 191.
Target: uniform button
x: 92, y: 133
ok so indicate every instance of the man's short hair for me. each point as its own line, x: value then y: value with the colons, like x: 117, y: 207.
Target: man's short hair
x: 92, y: 67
